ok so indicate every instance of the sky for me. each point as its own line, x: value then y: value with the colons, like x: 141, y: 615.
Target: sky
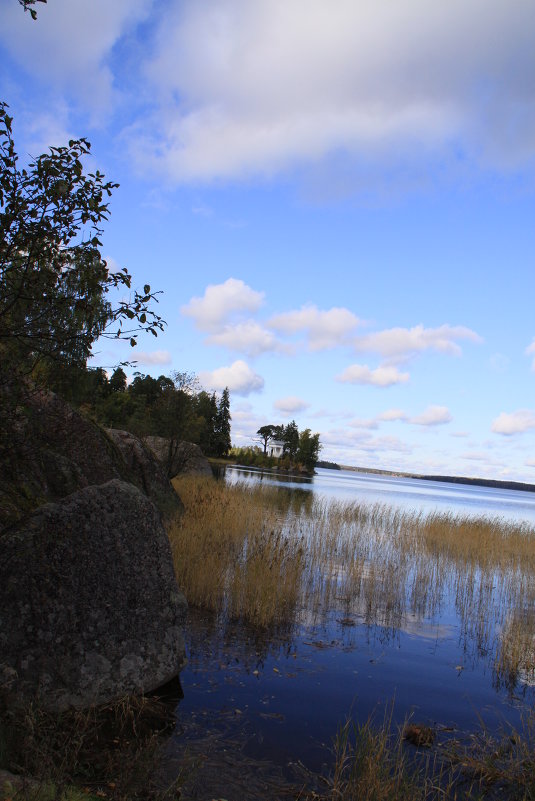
x: 335, y: 199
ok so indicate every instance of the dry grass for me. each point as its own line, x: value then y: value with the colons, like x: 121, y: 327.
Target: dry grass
x: 107, y: 752
x: 271, y: 556
x: 374, y: 762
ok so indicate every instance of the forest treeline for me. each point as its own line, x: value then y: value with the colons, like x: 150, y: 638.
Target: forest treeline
x: 168, y: 406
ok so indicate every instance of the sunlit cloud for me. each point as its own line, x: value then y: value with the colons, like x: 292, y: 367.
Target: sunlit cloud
x: 514, y: 422
x: 238, y: 377
x: 291, y: 404
x: 155, y: 357
x: 69, y: 47
x: 368, y: 423
x: 398, y: 344
x: 248, y: 337
x: 380, y: 377
x: 392, y: 415
x: 220, y: 302
x: 433, y: 416
x: 242, y: 89
x: 323, y: 329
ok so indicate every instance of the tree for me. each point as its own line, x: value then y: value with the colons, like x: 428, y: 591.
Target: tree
x: 266, y: 433
x: 309, y: 448
x: 118, y: 380
x: 27, y: 5
x: 223, y: 441
x: 206, y: 410
x: 290, y: 438
x: 54, y: 283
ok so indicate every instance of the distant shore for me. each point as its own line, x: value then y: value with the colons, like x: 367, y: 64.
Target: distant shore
x: 480, y: 482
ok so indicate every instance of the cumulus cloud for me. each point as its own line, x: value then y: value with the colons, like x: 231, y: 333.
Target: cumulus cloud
x: 155, y: 357
x: 397, y: 344
x: 324, y: 329
x: 530, y: 351
x: 383, y: 376
x: 248, y: 337
x: 245, y: 88
x: 433, y: 416
x: 69, y: 46
x: 238, y: 377
x: 291, y: 404
x: 220, y: 302
x: 514, y: 422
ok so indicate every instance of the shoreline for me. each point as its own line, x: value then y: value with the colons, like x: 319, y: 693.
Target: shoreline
x: 480, y: 482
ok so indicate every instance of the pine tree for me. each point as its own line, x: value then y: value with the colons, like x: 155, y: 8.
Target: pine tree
x: 223, y: 441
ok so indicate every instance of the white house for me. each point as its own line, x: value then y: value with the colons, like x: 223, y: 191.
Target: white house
x: 275, y: 448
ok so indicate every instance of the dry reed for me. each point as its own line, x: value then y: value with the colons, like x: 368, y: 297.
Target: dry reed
x: 268, y: 556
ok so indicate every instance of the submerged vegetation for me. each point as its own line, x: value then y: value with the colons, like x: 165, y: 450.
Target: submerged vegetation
x: 270, y: 557
x: 277, y: 559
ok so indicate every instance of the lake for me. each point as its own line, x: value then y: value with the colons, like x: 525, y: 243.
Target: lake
x: 408, y: 493
x: 261, y: 707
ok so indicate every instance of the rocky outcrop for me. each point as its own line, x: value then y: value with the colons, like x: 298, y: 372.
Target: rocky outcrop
x: 89, y: 605
x: 55, y: 451
x: 146, y: 470
x: 179, y: 457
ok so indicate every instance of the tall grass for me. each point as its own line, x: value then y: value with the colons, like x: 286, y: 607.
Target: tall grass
x: 270, y: 556
x: 374, y: 762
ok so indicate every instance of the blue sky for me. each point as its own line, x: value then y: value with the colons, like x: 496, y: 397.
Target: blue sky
x: 337, y: 201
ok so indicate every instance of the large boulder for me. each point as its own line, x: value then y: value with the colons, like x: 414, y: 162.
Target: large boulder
x: 55, y: 451
x: 89, y: 606
x: 179, y: 457
x: 146, y: 471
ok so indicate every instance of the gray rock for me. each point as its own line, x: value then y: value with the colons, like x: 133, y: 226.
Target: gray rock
x: 89, y: 606
x: 146, y: 471
x: 57, y: 451
x: 179, y: 457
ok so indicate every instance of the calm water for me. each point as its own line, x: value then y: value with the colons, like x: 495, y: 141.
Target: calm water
x: 409, y: 493
x: 257, y: 704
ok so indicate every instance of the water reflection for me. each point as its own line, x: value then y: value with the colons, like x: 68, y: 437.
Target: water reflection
x: 432, y: 610
x: 407, y: 493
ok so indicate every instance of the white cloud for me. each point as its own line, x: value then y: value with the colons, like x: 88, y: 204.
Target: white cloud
x: 530, y: 462
x: 433, y: 416
x: 245, y: 88
x: 221, y: 301
x: 397, y: 344
x: 248, y: 337
x: 359, y: 422
x: 68, y: 47
x: 514, y: 422
x: 291, y: 404
x: 238, y: 377
x: 530, y: 350
x: 475, y: 456
x: 324, y: 329
x: 391, y: 415
x: 155, y: 357
x: 383, y: 376
x: 459, y: 434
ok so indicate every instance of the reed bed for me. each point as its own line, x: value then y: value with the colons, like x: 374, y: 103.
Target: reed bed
x: 374, y: 761
x: 273, y: 557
